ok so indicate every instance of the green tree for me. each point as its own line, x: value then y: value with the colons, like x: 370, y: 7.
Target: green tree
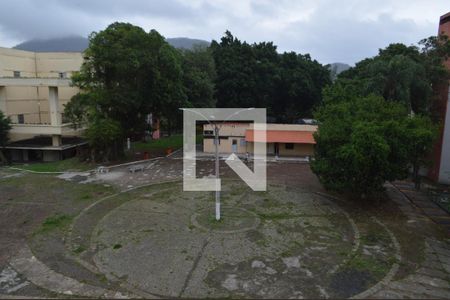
x: 362, y: 142
x: 289, y: 85
x: 420, y: 135
x: 199, y: 73
x: 404, y: 74
x: 127, y: 73
x: 359, y: 144
x: 102, y: 134
x: 299, y: 86
x: 245, y: 73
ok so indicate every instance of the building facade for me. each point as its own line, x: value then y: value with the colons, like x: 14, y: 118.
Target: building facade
x: 283, y: 140
x: 440, y: 171
x: 33, y: 90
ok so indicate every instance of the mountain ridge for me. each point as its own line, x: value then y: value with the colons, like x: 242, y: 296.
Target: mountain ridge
x: 79, y: 44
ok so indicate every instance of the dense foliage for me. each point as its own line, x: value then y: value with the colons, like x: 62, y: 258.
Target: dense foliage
x: 289, y: 85
x: 377, y: 121
x: 126, y: 75
x: 199, y: 73
x: 364, y: 141
x: 129, y: 73
x: 404, y: 74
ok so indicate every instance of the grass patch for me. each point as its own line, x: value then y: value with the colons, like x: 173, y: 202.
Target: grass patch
x: 85, y: 197
x: 79, y: 249
x: 174, y: 142
x: 55, y: 222
x: 71, y: 164
x: 376, y: 267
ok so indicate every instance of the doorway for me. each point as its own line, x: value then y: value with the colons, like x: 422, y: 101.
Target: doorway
x: 234, y: 146
x: 277, y: 149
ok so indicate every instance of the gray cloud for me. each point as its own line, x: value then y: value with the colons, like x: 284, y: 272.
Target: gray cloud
x: 346, y: 30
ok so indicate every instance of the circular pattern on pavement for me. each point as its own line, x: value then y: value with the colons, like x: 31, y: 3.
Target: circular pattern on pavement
x: 232, y: 220
x: 282, y: 243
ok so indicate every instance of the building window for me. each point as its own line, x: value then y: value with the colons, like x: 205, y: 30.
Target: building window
x: 20, y: 119
x: 16, y: 74
x: 289, y: 146
x: 243, y: 143
x: 62, y: 75
x: 208, y: 132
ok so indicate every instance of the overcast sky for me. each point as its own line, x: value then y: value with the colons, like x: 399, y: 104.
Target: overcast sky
x: 331, y: 31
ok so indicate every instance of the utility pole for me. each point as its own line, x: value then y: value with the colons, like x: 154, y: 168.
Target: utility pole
x: 216, y: 142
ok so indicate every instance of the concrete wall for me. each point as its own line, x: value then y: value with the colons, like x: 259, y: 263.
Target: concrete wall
x: 32, y: 101
x: 444, y: 170
x: 440, y: 170
x: 50, y: 64
x: 51, y: 155
x: 298, y: 150
x: 232, y: 131
x: 225, y: 145
x: 290, y: 127
x: 17, y: 60
x: 45, y: 64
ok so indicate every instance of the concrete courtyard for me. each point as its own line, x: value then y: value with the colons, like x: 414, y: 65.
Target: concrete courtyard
x: 123, y: 234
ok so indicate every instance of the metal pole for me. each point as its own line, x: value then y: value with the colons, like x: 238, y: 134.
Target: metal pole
x: 216, y: 142
x: 216, y: 139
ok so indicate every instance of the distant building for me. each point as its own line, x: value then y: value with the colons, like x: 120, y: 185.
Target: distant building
x: 282, y: 139
x: 33, y: 90
x: 440, y: 171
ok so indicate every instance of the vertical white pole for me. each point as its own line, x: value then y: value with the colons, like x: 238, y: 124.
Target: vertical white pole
x: 128, y: 144
x: 216, y: 140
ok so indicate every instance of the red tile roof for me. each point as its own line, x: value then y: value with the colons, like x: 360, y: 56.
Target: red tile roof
x: 281, y: 136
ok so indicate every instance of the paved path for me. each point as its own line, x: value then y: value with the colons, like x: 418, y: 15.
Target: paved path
x: 422, y: 200
x: 432, y: 278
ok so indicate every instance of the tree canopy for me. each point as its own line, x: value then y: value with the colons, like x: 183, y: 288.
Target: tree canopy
x: 405, y: 74
x: 199, y: 73
x: 127, y: 74
x: 363, y: 142
x: 376, y: 121
x: 289, y: 85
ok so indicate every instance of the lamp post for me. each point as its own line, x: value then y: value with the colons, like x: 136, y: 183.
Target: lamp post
x: 216, y: 144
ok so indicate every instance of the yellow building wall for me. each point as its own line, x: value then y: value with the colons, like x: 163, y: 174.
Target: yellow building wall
x: 233, y: 131
x: 299, y: 150
x: 17, y: 60
x: 32, y: 102
x: 50, y: 64
x: 225, y: 145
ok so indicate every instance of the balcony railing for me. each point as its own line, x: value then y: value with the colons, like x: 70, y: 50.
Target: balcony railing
x: 39, y: 124
x: 41, y: 118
